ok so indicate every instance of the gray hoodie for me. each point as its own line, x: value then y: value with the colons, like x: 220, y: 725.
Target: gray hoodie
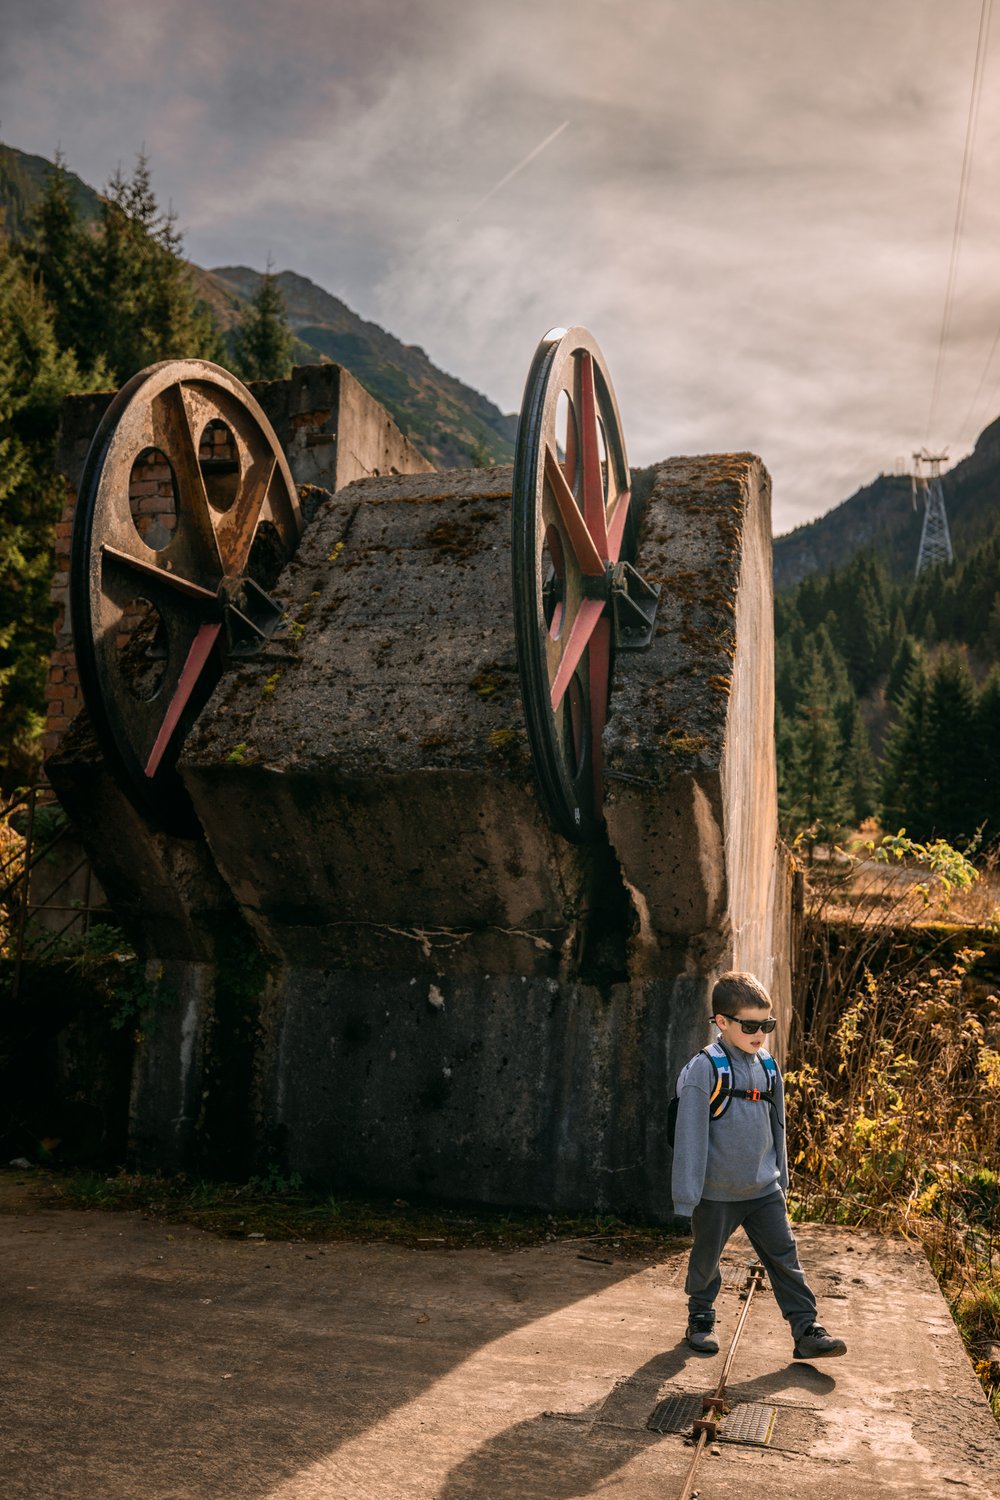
x: 742, y: 1154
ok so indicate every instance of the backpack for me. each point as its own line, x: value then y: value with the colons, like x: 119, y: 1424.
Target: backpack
x: 722, y: 1090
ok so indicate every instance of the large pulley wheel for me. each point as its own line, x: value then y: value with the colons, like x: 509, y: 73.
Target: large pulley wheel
x: 575, y: 596
x: 186, y: 514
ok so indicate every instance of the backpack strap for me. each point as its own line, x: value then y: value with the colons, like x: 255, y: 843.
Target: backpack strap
x: 722, y: 1078
x: 723, y: 1092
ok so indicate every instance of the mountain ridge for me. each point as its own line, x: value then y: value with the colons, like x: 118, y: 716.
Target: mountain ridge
x: 880, y: 517
x: 22, y: 182
x: 453, y: 424
x: 447, y: 419
x: 456, y: 425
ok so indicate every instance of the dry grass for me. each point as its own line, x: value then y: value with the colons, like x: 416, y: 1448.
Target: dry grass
x: 894, y: 1091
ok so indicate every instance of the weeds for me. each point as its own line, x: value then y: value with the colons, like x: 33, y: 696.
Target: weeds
x: 278, y: 1206
x: 894, y: 1093
x: 871, y: 910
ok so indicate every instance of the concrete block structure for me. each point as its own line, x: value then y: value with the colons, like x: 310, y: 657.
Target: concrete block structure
x: 379, y: 966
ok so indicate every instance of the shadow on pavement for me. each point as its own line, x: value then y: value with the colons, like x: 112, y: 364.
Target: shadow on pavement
x: 567, y: 1455
x: 142, y: 1359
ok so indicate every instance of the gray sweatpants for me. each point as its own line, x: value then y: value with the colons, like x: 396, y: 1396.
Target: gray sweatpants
x: 765, y: 1222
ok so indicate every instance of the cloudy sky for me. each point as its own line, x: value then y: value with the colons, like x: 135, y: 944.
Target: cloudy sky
x: 751, y: 205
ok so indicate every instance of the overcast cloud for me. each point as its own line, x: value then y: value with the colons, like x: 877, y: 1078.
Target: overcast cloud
x: 751, y: 206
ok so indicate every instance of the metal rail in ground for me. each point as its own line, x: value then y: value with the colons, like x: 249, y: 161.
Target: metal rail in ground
x: 705, y: 1428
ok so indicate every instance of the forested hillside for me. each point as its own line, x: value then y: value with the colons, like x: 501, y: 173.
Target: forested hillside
x: 23, y: 180
x: 881, y: 519
x: 450, y: 422
x: 94, y: 287
x: 888, y: 697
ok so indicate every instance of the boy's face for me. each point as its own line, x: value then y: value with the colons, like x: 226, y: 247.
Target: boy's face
x: 733, y: 1033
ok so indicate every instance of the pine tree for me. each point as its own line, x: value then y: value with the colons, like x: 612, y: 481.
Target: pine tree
x: 34, y: 378
x: 823, y: 647
x: 932, y: 779
x: 123, y: 294
x: 145, y: 307
x: 907, y: 652
x: 60, y: 253
x: 858, y: 774
x: 263, y: 340
x: 951, y: 749
x: 861, y: 629
x: 787, y: 668
x: 905, y: 774
x: 816, y: 799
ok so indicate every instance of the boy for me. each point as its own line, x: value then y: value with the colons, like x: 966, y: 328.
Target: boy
x: 732, y: 1170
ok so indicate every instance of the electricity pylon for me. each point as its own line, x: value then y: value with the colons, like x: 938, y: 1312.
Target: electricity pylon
x: 935, y: 538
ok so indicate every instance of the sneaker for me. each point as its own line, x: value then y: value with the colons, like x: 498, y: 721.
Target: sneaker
x: 699, y: 1333
x: 816, y: 1343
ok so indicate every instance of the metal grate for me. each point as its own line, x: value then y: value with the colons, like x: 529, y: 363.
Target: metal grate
x: 733, y: 1273
x: 750, y: 1423
x: 675, y: 1414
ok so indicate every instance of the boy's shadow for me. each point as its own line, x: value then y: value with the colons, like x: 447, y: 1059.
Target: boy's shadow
x: 797, y: 1375
x: 565, y: 1455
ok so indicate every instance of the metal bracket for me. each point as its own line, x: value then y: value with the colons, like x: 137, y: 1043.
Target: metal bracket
x: 251, y: 617
x: 633, y: 606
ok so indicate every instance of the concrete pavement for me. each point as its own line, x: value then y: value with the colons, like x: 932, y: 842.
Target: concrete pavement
x: 142, y: 1361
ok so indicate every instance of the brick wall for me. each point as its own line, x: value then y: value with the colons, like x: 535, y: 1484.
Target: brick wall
x: 332, y: 432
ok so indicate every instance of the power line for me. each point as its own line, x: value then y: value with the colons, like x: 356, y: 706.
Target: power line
x: 982, y: 381
x: 963, y: 193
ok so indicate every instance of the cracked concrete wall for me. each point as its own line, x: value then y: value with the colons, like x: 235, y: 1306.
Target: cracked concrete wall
x: 456, y: 1000
x: 372, y: 782
x: 691, y: 802
x: 166, y: 891
x: 443, y: 1018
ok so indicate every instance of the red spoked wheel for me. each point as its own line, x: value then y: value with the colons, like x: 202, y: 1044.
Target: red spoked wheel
x: 573, y: 537
x: 186, y: 514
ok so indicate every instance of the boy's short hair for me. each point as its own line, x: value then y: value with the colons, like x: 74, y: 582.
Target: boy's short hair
x: 735, y: 989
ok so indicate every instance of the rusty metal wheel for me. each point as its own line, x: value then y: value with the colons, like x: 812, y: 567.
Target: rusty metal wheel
x: 575, y: 598
x: 186, y: 513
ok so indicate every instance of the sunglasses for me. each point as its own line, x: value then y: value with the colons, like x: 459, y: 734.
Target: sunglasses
x: 749, y: 1027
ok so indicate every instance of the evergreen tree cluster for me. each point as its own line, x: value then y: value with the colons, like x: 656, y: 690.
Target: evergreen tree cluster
x: 888, y: 699
x: 121, y: 295
x: 35, y: 374
x: 940, y: 774
x: 83, y: 307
